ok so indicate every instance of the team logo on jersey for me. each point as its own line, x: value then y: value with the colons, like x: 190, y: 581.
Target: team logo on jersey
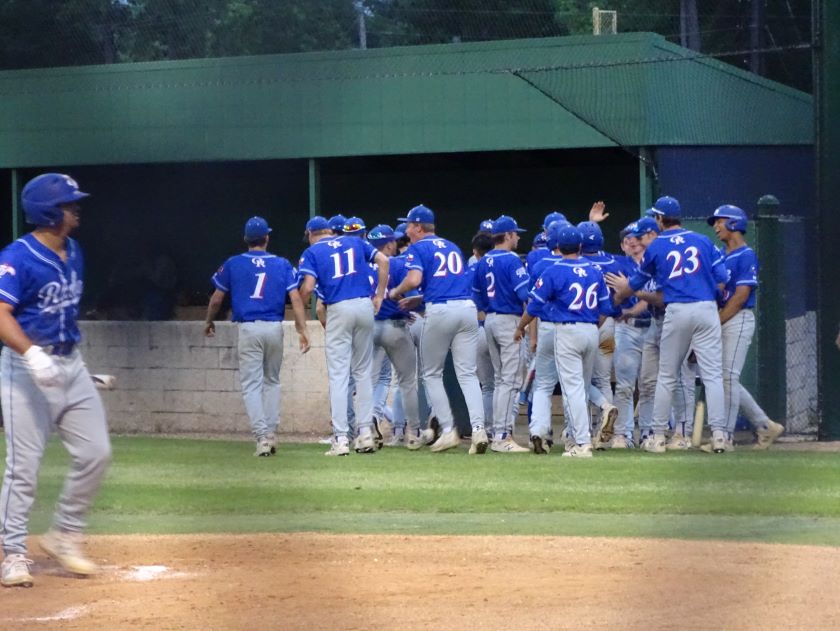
x: 439, y: 243
x: 5, y: 268
x: 579, y: 271
x: 521, y: 272
x: 334, y: 243
x: 489, y: 261
x: 259, y: 262
x: 539, y: 283
x: 56, y: 296
x: 677, y: 240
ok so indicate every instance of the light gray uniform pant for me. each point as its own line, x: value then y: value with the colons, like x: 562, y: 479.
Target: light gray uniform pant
x: 260, y: 349
x: 694, y: 325
x: 509, y: 366
x: 737, y: 335
x: 451, y: 325
x: 391, y: 337
x: 486, y: 375
x: 30, y: 414
x: 629, y: 341
x: 545, y: 378
x: 575, y: 350
x: 602, y: 373
x: 349, y: 349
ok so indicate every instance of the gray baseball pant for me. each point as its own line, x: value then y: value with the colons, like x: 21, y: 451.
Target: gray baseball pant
x: 508, y: 366
x: 452, y: 325
x: 575, y: 349
x: 260, y: 349
x: 485, y: 373
x: 694, y: 325
x: 349, y: 349
x: 72, y: 408
x: 392, y: 338
x: 545, y: 378
x: 737, y: 334
x: 629, y: 341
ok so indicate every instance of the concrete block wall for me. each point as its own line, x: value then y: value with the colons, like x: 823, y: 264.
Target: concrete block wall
x: 171, y: 379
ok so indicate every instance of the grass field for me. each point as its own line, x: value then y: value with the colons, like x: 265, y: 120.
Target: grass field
x: 158, y: 486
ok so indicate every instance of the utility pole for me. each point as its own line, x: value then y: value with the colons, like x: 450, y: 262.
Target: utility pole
x: 757, y: 20
x: 689, y: 25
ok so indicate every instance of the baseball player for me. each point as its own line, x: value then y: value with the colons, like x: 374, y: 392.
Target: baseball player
x: 572, y: 294
x: 437, y: 267
x: 258, y: 283
x: 545, y: 368
x: 392, y: 340
x: 485, y: 227
x: 339, y: 266
x: 500, y: 289
x: 46, y: 385
x: 688, y: 268
x: 482, y: 243
x: 738, y: 323
x: 600, y: 394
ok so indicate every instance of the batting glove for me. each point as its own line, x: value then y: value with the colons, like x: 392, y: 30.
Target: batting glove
x: 41, y: 366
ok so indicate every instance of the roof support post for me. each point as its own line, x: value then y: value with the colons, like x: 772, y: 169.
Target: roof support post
x: 16, y: 227
x: 647, y: 181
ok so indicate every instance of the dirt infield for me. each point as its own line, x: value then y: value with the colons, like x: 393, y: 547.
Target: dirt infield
x: 312, y: 581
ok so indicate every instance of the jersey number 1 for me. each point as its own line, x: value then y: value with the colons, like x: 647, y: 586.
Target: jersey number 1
x: 258, y: 290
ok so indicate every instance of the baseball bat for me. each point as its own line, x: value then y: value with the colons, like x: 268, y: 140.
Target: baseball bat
x: 104, y: 382
x: 699, y: 417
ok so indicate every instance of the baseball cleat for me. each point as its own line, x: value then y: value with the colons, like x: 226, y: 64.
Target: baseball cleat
x: 434, y: 425
x: 272, y: 442
x: 678, y: 442
x: 479, y: 442
x: 338, y: 447
x: 365, y: 444
x: 765, y: 436
x: 540, y: 448
x: 65, y: 547
x: 578, y: 451
x: 728, y: 447
x: 609, y: 415
x: 507, y: 446
x: 263, y: 447
x: 377, y: 434
x: 14, y: 571
x: 655, y: 444
x: 419, y: 438
x: 447, y: 440
x: 621, y: 442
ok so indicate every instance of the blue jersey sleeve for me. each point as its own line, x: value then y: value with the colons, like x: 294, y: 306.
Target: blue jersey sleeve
x: 221, y: 279
x: 521, y: 282
x: 308, y: 265
x: 10, y: 278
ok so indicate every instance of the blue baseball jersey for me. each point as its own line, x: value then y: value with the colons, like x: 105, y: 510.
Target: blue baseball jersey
x: 606, y: 263
x: 444, y: 272
x: 500, y: 283
x: 741, y: 270
x: 44, y: 290
x: 628, y: 266
x: 535, y: 308
x: 685, y: 264
x: 258, y: 283
x: 572, y: 290
x: 340, y: 268
x: 396, y: 274
x: 533, y: 257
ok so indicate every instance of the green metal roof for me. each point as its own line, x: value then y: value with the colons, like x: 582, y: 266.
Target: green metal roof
x: 570, y: 92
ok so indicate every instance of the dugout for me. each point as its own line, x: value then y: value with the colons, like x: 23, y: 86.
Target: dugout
x: 178, y: 154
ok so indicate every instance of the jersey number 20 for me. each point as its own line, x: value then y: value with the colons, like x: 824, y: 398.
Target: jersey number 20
x: 681, y: 266
x: 448, y: 264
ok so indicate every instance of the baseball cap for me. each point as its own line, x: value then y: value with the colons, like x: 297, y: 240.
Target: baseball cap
x: 565, y: 235
x: 486, y: 226
x: 336, y: 223
x: 667, y: 207
x: 256, y: 228
x: 354, y: 224
x: 317, y: 223
x: 419, y: 214
x: 381, y: 234
x: 650, y: 212
x: 399, y: 231
x: 645, y: 225
x: 627, y: 230
x: 505, y: 224
x: 552, y: 217
x: 540, y: 239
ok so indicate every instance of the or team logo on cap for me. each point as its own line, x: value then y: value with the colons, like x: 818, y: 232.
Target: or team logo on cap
x: 5, y: 268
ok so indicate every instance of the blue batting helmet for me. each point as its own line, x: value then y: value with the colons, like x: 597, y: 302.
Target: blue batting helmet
x: 593, y: 238
x: 737, y: 218
x: 42, y: 196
